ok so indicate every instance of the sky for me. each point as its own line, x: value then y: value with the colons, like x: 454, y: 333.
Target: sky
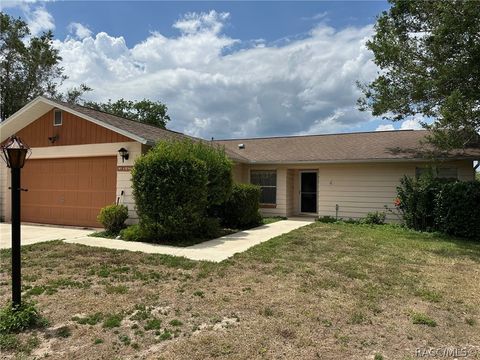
x: 224, y: 69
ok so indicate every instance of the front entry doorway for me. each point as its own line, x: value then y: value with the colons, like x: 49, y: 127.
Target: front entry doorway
x: 308, y: 192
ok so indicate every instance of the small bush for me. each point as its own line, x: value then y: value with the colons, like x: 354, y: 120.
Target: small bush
x: 113, y: 218
x: 457, y: 210
x: 136, y: 232
x: 327, y: 219
x: 22, y: 318
x: 375, y: 218
x: 241, y: 209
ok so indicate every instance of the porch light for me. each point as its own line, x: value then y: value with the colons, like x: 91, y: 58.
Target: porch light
x: 15, y: 152
x: 124, y: 154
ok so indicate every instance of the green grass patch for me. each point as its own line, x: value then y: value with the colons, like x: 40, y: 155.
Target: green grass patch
x: 176, y: 322
x: 272, y: 219
x: 153, y: 324
x: 112, y: 321
x: 116, y: 289
x: 19, y: 319
x: 423, y: 319
x: 63, y: 332
x: 90, y: 319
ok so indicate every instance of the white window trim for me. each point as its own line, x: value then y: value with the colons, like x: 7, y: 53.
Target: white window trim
x: 267, y: 186
x: 54, y: 117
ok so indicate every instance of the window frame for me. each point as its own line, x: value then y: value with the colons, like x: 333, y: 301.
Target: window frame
x: 274, y: 171
x: 55, y: 117
x: 419, y: 171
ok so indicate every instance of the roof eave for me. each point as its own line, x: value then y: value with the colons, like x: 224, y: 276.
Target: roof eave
x: 352, y: 161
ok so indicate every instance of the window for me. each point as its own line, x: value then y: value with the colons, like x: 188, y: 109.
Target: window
x: 440, y: 173
x: 57, y: 118
x: 267, y: 180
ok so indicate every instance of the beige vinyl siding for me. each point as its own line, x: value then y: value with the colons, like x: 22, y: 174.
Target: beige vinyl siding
x: 290, y: 192
x: 356, y: 188
x: 240, y: 173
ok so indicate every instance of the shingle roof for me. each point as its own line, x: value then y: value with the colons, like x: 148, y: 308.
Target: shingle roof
x: 148, y: 132
x: 151, y: 134
x: 366, y: 146
x: 362, y: 146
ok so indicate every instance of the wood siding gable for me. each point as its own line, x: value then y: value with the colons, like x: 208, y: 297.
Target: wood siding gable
x: 73, y: 131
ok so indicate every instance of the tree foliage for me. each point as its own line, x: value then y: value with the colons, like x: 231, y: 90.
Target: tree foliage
x: 29, y: 65
x: 145, y: 111
x: 429, y: 56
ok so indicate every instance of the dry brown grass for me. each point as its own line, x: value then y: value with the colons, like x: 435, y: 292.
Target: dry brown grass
x: 327, y: 291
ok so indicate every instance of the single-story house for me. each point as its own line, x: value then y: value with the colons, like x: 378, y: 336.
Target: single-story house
x: 76, y: 167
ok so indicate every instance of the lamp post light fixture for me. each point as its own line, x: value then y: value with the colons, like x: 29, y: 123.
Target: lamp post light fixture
x: 14, y: 153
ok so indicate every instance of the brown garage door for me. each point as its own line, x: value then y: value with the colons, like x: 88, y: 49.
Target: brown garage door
x: 68, y: 191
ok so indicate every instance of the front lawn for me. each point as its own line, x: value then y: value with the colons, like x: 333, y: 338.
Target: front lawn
x: 336, y: 291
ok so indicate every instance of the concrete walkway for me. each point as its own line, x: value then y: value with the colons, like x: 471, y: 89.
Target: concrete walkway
x: 212, y: 250
x: 32, y: 234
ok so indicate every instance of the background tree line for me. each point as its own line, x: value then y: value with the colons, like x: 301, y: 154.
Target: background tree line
x: 30, y: 67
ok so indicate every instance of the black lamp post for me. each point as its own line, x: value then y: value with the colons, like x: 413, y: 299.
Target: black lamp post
x: 14, y: 153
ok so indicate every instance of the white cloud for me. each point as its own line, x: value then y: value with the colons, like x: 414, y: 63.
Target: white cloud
x: 385, y: 127
x: 79, y: 30
x: 39, y: 20
x: 318, y: 16
x: 411, y: 124
x: 37, y: 17
x: 304, y: 86
x: 22, y: 4
x: 193, y: 23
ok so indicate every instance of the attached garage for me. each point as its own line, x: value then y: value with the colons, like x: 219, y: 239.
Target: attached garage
x: 68, y: 191
x: 75, y: 167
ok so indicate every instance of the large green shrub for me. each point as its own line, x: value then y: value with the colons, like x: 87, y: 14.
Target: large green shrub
x: 241, y: 208
x: 457, y: 210
x: 416, y: 201
x: 218, y: 166
x: 113, y: 218
x: 170, y: 186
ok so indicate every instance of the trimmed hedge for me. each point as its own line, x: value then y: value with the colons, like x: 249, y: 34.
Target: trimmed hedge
x: 241, y: 209
x: 170, y: 190
x: 218, y: 166
x: 457, y: 210
x: 178, y: 187
x: 113, y: 218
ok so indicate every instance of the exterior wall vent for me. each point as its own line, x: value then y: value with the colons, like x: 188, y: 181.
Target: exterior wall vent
x: 241, y: 146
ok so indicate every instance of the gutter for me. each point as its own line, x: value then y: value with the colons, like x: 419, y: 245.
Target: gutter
x: 349, y: 161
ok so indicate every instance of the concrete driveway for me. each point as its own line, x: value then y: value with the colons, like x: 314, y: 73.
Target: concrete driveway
x: 32, y: 234
x: 213, y: 250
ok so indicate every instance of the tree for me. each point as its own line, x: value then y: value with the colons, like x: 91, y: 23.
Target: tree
x: 29, y: 65
x: 145, y: 111
x: 429, y: 56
